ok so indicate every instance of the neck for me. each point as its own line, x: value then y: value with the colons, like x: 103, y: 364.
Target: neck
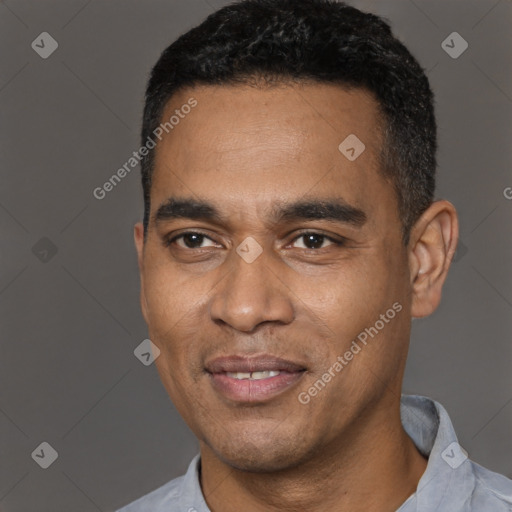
x: 374, y: 467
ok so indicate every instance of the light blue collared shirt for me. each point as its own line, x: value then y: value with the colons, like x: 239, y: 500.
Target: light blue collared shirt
x: 451, y: 482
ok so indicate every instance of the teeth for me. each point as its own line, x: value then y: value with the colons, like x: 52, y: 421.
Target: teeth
x: 238, y: 375
x: 264, y: 375
x: 253, y: 375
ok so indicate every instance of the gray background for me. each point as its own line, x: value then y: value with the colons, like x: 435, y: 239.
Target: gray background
x: 70, y: 321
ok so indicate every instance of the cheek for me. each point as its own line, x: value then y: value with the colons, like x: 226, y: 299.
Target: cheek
x: 348, y: 296
x: 168, y: 297
x: 176, y: 306
x: 350, y: 304
x: 169, y: 308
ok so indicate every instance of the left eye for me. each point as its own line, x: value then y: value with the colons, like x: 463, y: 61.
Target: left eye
x: 314, y: 240
x: 191, y: 240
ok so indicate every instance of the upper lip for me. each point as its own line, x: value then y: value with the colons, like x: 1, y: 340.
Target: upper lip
x: 238, y: 363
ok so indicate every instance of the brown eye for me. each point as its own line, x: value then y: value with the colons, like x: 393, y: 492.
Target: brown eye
x: 314, y: 241
x: 191, y: 240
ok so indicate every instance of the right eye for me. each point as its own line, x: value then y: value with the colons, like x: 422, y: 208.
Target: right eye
x: 190, y: 240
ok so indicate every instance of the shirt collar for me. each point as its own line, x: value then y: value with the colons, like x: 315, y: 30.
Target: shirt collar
x: 448, y: 478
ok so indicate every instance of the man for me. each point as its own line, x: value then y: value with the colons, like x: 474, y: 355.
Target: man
x: 289, y: 236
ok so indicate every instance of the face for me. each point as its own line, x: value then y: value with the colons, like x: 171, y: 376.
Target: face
x: 270, y: 254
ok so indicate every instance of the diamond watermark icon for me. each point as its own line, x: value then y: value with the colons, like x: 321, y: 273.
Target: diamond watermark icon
x: 146, y: 352
x: 454, y: 45
x: 249, y: 249
x: 454, y: 455
x: 44, y: 249
x: 45, y: 455
x: 44, y: 45
x: 352, y: 147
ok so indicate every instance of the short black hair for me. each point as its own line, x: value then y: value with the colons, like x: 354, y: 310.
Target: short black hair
x: 323, y: 41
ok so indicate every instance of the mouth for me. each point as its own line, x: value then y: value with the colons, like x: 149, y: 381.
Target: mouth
x: 265, y: 374
x: 253, y: 379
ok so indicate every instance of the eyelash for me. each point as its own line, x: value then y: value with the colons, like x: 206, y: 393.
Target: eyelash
x: 168, y: 241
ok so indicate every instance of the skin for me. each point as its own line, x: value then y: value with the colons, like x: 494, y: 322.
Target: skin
x: 242, y: 149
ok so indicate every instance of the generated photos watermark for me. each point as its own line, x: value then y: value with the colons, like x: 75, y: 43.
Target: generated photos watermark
x: 304, y: 397
x: 133, y: 161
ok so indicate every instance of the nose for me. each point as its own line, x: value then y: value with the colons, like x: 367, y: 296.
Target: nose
x: 251, y: 294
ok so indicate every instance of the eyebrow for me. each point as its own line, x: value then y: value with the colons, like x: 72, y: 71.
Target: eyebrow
x: 311, y: 209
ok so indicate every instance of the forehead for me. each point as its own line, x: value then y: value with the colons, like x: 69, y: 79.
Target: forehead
x: 259, y: 143
x: 231, y: 118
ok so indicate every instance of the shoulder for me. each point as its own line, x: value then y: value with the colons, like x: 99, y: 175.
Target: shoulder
x: 183, y: 494
x: 492, y: 491
x: 163, y: 499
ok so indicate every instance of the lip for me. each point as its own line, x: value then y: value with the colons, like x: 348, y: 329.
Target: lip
x: 237, y: 363
x: 248, y: 390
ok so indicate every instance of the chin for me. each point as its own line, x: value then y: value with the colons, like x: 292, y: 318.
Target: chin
x: 260, y: 455
x: 255, y: 463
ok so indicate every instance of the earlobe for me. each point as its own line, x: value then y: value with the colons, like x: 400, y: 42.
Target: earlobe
x: 432, y: 246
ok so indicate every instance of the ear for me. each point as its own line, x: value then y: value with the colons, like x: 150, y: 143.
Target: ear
x: 138, y: 235
x: 432, y: 246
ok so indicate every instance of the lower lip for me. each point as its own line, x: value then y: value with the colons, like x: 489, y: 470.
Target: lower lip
x: 248, y: 390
